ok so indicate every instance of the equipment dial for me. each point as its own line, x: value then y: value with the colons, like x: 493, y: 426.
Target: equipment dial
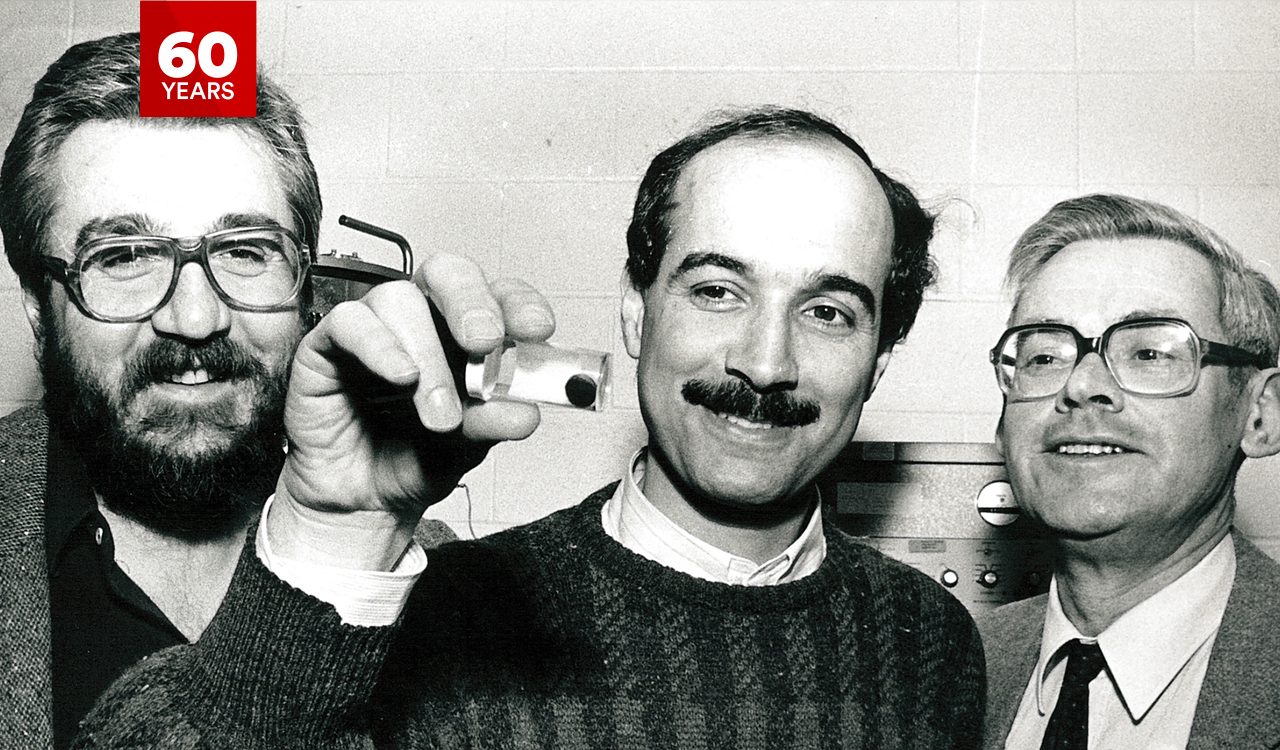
x: 996, y: 504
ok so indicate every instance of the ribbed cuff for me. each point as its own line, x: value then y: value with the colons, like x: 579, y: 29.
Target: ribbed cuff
x: 278, y: 663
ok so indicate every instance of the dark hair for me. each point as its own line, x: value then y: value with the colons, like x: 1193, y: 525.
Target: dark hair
x: 98, y: 80
x: 911, y: 272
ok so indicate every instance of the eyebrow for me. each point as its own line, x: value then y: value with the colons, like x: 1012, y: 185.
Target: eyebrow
x: 720, y: 260
x: 119, y: 224
x: 1159, y: 312
x: 817, y: 283
x: 250, y: 219
x: 838, y: 282
x: 1154, y: 313
x: 141, y: 224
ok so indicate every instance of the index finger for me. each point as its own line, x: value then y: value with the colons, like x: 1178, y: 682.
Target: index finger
x: 526, y: 314
x: 459, y: 289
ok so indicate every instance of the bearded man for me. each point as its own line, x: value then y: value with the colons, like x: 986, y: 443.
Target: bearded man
x: 164, y: 268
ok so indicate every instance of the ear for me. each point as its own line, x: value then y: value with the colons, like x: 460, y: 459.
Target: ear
x: 632, y: 316
x: 31, y: 305
x: 1262, y: 429
x: 882, y: 361
x: 1000, y: 431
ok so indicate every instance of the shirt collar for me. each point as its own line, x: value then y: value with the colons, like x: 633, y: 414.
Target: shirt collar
x: 1148, y: 646
x: 639, y: 526
x: 69, y: 497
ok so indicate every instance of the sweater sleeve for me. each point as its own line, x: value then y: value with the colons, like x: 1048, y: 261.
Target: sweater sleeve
x: 275, y: 668
x: 970, y: 708
x: 954, y: 672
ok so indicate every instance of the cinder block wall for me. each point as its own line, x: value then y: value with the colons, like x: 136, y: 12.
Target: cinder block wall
x: 516, y: 132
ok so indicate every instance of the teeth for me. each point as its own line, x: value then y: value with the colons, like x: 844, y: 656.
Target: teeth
x: 191, y: 377
x: 1093, y: 449
x: 739, y: 421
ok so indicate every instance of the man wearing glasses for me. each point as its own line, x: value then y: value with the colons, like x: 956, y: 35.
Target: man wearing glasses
x: 1138, y: 374
x: 128, y: 496
x: 164, y: 271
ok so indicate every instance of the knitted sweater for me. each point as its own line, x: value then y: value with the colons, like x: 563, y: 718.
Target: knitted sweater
x: 554, y: 635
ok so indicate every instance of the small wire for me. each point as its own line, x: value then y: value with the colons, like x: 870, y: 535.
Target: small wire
x: 467, y: 491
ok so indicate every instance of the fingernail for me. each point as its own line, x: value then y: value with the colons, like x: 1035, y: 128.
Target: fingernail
x: 443, y: 408
x: 480, y: 325
x: 403, y: 367
x: 541, y: 317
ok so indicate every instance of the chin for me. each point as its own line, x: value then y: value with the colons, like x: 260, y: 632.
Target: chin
x: 765, y: 498
x: 190, y: 441
x: 217, y: 423
x: 1081, y: 525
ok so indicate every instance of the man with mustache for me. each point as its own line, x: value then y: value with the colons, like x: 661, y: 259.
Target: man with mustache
x: 1139, y: 373
x: 702, y: 601
x: 163, y: 267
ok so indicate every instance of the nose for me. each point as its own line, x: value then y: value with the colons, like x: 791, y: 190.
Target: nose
x: 1090, y: 384
x: 764, y: 352
x: 194, y: 311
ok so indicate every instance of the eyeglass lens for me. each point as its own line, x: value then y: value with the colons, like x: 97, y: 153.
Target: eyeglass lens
x: 259, y: 268
x: 1145, y: 358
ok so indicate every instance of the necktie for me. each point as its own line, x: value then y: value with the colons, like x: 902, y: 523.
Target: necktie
x: 1069, y: 725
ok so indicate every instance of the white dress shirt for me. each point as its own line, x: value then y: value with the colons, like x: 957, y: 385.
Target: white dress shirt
x: 1157, y: 654
x: 371, y: 598
x: 375, y: 598
x: 638, y: 525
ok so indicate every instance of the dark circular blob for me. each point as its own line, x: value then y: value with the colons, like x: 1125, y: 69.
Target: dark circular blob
x: 581, y: 391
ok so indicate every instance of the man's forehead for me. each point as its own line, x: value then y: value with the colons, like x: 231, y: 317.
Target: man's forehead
x: 773, y: 196
x: 744, y: 166
x: 182, y: 178
x: 1095, y: 283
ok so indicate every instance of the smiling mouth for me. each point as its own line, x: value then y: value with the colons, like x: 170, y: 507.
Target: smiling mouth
x: 1090, y: 449
x: 745, y: 423
x: 195, y: 374
x: 191, y: 377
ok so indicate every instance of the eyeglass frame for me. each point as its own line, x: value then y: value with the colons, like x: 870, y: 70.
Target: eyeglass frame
x: 1207, y: 353
x: 186, y: 250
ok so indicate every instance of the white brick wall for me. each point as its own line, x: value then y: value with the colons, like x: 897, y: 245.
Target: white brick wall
x: 515, y: 133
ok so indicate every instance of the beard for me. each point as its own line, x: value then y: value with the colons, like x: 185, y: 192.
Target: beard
x: 139, y: 467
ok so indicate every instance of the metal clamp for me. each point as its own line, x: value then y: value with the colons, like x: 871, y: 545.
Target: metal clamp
x: 350, y: 267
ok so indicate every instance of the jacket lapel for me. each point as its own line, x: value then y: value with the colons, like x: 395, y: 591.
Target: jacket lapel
x: 1240, y: 699
x: 1011, y: 639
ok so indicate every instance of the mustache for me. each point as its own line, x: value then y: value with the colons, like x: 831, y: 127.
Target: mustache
x: 164, y: 359
x: 735, y: 398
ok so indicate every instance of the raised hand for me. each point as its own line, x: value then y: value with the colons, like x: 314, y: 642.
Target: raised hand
x: 377, y: 427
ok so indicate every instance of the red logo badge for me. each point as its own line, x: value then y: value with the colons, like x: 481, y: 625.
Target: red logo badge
x: 199, y: 58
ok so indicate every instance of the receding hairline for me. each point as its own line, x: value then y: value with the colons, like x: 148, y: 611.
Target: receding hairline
x: 786, y: 139
x: 1044, y: 259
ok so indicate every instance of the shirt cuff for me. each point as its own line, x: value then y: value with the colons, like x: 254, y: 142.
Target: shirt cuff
x: 366, y: 598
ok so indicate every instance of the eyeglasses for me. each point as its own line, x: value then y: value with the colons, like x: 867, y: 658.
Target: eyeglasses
x: 123, y: 279
x: 1156, y: 357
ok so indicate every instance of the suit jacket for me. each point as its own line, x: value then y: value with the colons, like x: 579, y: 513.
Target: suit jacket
x: 1239, y: 705
x: 26, y: 708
